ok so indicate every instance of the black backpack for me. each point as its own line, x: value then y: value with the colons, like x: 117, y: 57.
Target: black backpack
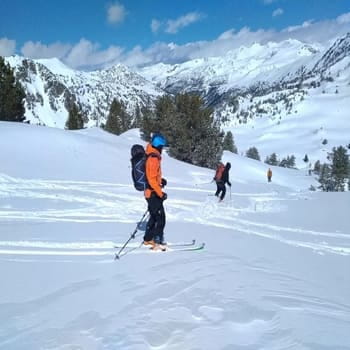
x: 138, y: 167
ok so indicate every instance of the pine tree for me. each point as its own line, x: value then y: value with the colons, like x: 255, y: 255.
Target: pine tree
x: 189, y: 127
x: 193, y: 135
x: 118, y: 120
x: 288, y: 162
x: 137, y: 118
x: 165, y: 115
x: 339, y: 167
x: 146, y: 127
x: 11, y: 95
x: 161, y: 119
x: 253, y: 153
x: 283, y: 163
x: 317, y: 167
x: 229, y: 144
x: 325, y: 178
x: 272, y: 160
x: 75, y: 120
x: 291, y: 161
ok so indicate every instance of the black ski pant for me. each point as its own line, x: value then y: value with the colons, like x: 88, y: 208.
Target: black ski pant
x: 156, y: 223
x: 220, y: 188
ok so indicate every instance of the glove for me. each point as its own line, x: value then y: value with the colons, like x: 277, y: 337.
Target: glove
x: 164, y: 182
x: 165, y: 196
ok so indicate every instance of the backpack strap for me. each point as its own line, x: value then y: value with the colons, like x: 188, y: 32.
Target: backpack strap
x: 152, y: 155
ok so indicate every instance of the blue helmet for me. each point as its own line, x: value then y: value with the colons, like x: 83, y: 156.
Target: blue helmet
x: 158, y: 140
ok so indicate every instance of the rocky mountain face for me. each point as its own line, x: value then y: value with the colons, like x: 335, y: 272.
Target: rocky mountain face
x: 261, y: 80
x: 338, y: 51
x: 51, y: 87
x: 250, y: 82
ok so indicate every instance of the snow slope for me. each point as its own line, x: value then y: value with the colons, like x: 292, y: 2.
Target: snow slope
x: 273, y: 275
x: 322, y: 116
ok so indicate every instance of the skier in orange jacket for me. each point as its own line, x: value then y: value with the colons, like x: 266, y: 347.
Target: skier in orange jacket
x: 269, y: 175
x: 154, y: 235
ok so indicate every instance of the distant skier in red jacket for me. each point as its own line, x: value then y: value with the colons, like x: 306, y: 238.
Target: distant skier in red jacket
x: 222, y: 178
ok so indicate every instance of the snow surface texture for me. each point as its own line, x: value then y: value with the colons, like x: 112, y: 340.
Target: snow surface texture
x: 274, y: 273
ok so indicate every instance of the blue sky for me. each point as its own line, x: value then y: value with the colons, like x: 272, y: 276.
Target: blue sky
x: 98, y: 33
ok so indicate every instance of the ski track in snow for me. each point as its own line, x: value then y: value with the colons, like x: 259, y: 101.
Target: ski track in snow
x: 184, y: 312
x: 86, y: 202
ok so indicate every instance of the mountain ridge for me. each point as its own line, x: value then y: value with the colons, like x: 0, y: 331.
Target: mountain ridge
x: 254, y: 91
x: 51, y: 87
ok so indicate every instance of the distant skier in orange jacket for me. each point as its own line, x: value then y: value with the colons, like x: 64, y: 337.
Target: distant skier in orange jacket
x: 269, y: 175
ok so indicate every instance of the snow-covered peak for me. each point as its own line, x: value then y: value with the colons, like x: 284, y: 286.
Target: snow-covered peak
x: 51, y: 86
x: 239, y: 67
x: 56, y: 66
x: 339, y: 50
x: 14, y: 60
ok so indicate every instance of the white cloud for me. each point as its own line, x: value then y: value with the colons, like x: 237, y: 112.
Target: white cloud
x: 7, y: 47
x: 116, y: 13
x: 155, y: 25
x: 277, y: 12
x: 83, y: 55
x: 173, y: 26
x: 227, y: 35
x: 38, y: 50
x: 344, y: 18
x: 321, y: 33
x: 304, y: 25
x: 88, y: 55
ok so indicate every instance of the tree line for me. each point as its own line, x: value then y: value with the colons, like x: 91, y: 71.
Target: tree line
x: 193, y: 134
x: 335, y: 175
x: 189, y: 126
x: 12, y: 95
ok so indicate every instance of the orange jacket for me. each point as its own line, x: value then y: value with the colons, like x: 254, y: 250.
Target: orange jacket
x: 153, y: 172
x: 269, y: 173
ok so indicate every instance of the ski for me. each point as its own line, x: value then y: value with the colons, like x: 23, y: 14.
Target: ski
x: 189, y: 246
x: 183, y: 248
x: 170, y: 244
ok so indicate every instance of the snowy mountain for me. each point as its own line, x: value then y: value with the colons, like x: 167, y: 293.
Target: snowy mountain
x: 337, y: 52
x: 50, y: 86
x: 233, y: 84
x: 263, y: 92
x: 273, y: 273
x: 259, y: 93
x: 239, y: 68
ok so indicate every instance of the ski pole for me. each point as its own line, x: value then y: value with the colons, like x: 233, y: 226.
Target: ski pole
x: 204, y: 183
x: 117, y: 256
